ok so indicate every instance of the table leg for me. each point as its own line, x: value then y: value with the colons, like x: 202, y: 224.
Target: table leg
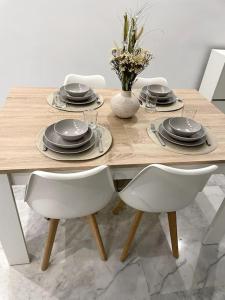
x: 11, y: 232
x: 216, y: 229
x: 119, y: 207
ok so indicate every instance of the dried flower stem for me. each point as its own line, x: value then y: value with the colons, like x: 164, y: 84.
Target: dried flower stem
x: 130, y: 60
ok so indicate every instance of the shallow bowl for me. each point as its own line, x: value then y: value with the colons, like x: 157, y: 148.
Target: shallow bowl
x: 158, y: 90
x: 76, y: 89
x: 184, y: 126
x: 70, y: 129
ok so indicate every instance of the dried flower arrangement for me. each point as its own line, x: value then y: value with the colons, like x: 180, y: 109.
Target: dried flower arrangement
x: 130, y: 60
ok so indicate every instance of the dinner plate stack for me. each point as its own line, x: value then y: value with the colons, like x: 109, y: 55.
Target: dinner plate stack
x: 163, y: 95
x: 77, y: 94
x: 182, y: 131
x: 69, y: 137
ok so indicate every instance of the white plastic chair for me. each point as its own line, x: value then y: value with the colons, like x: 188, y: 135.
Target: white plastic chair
x: 140, y: 82
x: 93, y: 81
x: 64, y: 196
x: 158, y: 188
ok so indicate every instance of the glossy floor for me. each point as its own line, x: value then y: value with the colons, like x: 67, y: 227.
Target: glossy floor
x: 150, y: 272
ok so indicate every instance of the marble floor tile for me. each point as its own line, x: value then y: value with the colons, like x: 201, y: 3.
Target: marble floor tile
x: 199, y: 294
x: 150, y: 272
x: 217, y: 179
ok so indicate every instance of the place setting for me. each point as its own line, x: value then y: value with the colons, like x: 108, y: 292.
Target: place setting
x: 75, y: 97
x: 157, y: 97
x: 73, y: 139
x: 182, y: 134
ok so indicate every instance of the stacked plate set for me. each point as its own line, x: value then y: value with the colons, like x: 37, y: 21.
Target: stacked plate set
x: 68, y: 137
x: 162, y: 94
x: 77, y: 94
x: 183, y: 132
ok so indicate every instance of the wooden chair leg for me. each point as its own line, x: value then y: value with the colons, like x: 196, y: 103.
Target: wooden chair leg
x: 119, y: 206
x: 53, y: 224
x: 131, y: 235
x: 95, y: 231
x: 172, y: 218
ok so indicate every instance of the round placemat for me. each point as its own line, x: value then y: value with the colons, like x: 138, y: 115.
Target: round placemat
x: 74, y: 108
x: 175, y: 106
x: 89, y: 154
x: 203, y: 149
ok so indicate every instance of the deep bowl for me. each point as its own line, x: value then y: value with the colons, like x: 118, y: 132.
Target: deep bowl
x: 71, y: 130
x: 158, y: 90
x: 184, y: 126
x: 76, y: 89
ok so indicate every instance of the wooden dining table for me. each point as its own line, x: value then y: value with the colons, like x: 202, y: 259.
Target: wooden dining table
x: 26, y: 112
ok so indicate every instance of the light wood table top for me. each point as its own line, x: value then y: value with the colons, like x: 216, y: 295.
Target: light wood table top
x: 26, y: 111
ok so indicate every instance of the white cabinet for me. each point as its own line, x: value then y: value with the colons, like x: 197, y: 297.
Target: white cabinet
x: 213, y: 81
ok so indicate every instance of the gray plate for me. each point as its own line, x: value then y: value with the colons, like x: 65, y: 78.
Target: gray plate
x: 65, y: 95
x: 90, y: 100
x: 81, y: 149
x: 167, y: 100
x: 52, y: 137
x: 170, y: 101
x: 160, y: 98
x: 167, y: 137
x: 197, y: 136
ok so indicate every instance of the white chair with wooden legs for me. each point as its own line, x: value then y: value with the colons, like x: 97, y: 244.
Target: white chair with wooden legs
x: 140, y: 82
x: 65, y: 196
x: 158, y: 188
x: 93, y: 81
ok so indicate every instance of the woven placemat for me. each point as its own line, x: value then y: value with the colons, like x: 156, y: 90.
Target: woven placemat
x: 175, y: 106
x: 75, y: 108
x: 89, y: 154
x: 203, y: 149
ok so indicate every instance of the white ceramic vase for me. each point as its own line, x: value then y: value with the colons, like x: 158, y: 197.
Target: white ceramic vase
x: 125, y: 104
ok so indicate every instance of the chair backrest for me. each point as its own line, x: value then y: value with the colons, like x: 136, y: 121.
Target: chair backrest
x: 159, y: 188
x: 140, y: 82
x: 93, y: 81
x: 55, y: 195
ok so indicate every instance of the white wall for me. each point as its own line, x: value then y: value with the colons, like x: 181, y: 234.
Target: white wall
x: 43, y: 40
